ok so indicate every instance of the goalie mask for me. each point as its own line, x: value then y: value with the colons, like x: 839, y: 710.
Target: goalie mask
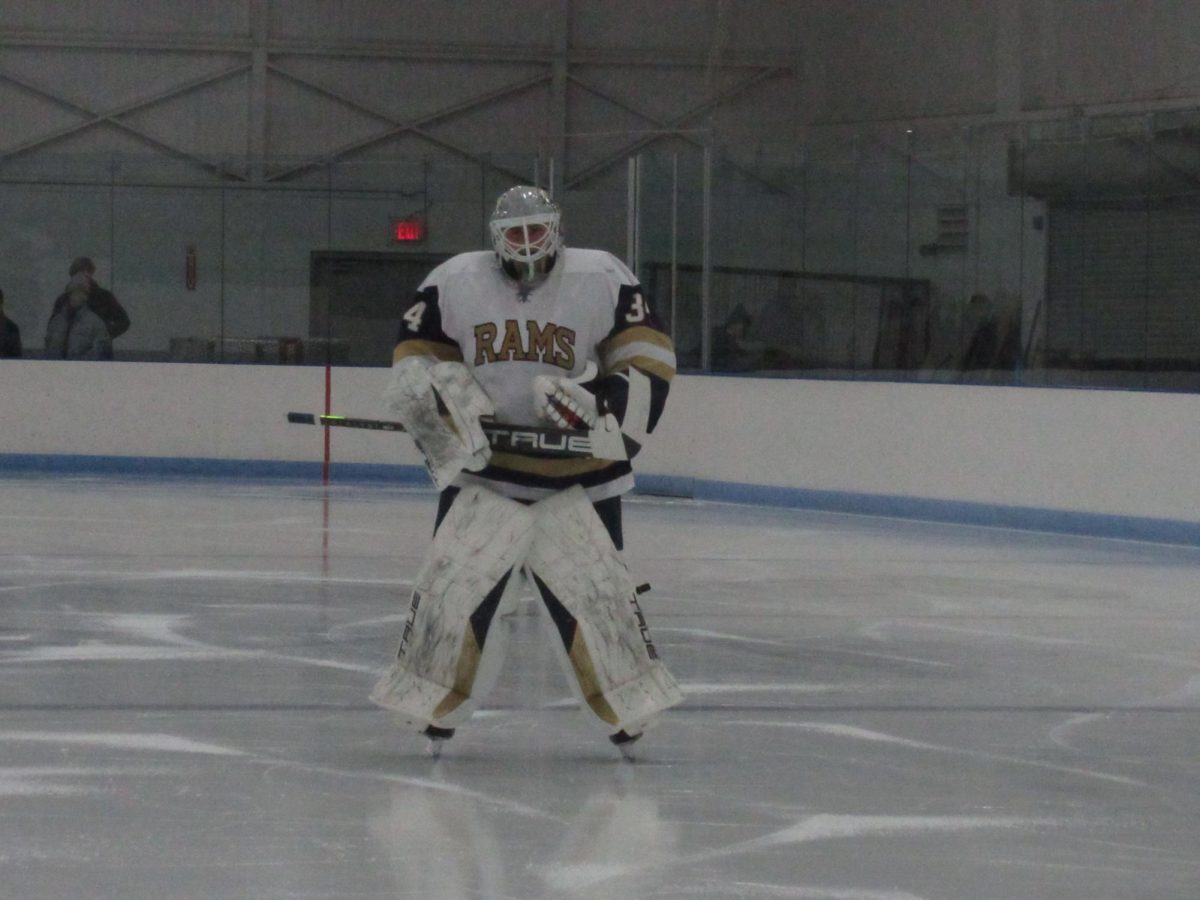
x: 525, y: 232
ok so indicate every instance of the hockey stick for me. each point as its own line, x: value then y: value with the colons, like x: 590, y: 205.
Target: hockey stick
x: 599, y: 443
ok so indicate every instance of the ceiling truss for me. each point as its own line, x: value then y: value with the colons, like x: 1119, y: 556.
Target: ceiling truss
x: 268, y: 58
x: 115, y: 117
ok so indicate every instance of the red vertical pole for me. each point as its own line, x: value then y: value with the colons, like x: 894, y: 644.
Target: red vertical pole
x: 328, y: 407
x: 325, y: 474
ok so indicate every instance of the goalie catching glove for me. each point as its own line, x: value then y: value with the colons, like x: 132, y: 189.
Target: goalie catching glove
x: 619, y: 419
x: 562, y: 402
x: 439, y: 406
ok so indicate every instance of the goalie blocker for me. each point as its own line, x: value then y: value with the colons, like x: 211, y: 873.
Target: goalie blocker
x: 455, y: 633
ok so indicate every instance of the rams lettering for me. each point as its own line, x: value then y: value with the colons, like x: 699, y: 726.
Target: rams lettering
x: 538, y: 343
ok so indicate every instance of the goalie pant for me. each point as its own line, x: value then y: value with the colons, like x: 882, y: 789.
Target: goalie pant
x: 455, y: 633
x: 609, y: 511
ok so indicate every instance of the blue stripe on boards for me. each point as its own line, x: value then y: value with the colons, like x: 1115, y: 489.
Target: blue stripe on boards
x: 960, y: 512
x: 170, y: 466
x: 1169, y: 531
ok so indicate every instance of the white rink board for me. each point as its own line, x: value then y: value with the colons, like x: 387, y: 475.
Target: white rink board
x: 1121, y: 453
x: 1115, y: 453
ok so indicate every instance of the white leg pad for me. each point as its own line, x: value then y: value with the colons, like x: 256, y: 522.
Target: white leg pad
x: 603, y: 641
x: 453, y: 641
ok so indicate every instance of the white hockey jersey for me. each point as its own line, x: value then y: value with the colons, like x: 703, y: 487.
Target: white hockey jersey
x: 588, y: 308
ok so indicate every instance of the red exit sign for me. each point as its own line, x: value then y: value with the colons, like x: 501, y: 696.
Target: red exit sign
x: 408, y: 230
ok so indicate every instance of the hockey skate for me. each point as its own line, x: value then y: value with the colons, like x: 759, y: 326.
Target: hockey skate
x: 624, y: 742
x: 437, y: 739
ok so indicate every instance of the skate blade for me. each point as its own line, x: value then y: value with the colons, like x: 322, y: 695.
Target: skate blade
x: 624, y: 742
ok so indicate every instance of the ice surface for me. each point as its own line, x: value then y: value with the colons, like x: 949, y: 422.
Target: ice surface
x: 877, y: 710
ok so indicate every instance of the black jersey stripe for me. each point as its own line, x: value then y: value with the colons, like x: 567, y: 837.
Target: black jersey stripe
x: 542, y: 479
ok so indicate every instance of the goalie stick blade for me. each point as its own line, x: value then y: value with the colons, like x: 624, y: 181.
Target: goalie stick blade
x: 299, y: 418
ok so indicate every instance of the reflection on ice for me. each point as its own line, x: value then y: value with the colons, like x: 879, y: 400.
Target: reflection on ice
x: 451, y: 845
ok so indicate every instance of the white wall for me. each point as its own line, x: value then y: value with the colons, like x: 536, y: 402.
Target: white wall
x: 1107, y: 452
x: 1100, y: 452
x: 187, y: 411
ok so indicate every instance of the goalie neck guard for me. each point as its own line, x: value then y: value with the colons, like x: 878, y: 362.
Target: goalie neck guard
x: 525, y: 232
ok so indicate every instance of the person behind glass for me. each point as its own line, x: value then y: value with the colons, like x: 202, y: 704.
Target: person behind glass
x: 99, y: 300
x: 731, y: 348
x: 10, y: 335
x: 75, y: 331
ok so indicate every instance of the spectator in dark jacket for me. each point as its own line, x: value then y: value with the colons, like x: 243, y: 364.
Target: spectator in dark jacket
x: 99, y: 300
x: 75, y: 331
x: 10, y: 335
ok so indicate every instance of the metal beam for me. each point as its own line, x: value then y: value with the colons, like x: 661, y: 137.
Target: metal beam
x: 669, y: 127
x: 257, y: 124
x: 497, y: 53
x: 415, y: 126
x: 560, y: 74
x: 111, y: 117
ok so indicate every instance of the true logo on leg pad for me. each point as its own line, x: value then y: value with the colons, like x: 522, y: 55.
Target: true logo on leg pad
x: 408, y: 624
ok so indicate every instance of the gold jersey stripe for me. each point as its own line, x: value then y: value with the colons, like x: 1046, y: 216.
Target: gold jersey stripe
x: 419, y: 347
x: 636, y: 334
x: 646, y: 364
x: 550, y: 468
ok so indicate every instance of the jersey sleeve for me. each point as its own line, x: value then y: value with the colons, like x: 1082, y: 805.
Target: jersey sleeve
x: 421, y: 333
x: 638, y: 363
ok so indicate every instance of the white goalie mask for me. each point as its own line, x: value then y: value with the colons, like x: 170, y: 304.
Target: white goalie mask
x: 525, y: 231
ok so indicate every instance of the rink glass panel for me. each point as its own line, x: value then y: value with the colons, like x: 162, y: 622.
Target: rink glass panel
x: 1048, y: 253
